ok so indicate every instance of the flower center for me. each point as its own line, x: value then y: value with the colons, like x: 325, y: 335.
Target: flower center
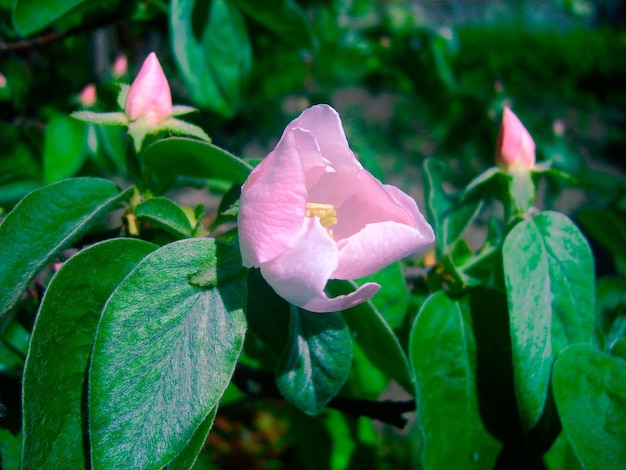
x: 325, y: 212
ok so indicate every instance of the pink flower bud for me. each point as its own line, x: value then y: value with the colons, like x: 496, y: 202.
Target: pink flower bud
x: 149, y: 96
x: 88, y: 96
x: 309, y: 212
x: 515, y: 147
x: 120, y: 66
x: 3, y: 81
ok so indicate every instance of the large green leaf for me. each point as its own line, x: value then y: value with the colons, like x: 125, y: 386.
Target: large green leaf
x: 443, y: 357
x: 213, y: 51
x: 284, y: 18
x: 193, y: 158
x: 55, y: 372
x: 376, y: 339
x: 186, y: 459
x: 165, y: 351
x: 30, y: 16
x: 591, y: 399
x: 43, y: 223
x: 316, y: 362
x: 549, y: 278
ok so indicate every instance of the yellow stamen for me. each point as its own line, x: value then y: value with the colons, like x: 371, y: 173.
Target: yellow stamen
x: 325, y: 212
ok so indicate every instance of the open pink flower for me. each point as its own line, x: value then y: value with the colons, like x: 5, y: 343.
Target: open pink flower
x: 149, y: 96
x: 309, y: 212
x: 515, y: 147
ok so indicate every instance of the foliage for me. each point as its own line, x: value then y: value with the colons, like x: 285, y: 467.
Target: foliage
x: 131, y: 336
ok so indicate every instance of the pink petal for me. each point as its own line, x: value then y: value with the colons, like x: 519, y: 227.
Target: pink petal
x: 515, y: 147
x: 149, y: 96
x: 376, y: 246
x: 325, y: 124
x: 273, y: 205
x: 300, y: 274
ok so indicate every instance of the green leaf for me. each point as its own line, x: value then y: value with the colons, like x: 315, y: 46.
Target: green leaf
x: 443, y: 357
x: 494, y: 364
x: 30, y: 16
x: 549, y: 278
x: 179, y: 127
x: 166, y: 214
x: 9, y: 450
x: 164, y: 353
x: 45, y: 222
x: 608, y: 228
x: 189, y: 455
x: 373, y: 334
x: 65, y: 148
x: 103, y: 119
x: 448, y: 215
x: 591, y: 400
x: 284, y: 18
x: 392, y: 300
x: 193, y: 158
x: 316, y: 362
x: 212, y: 50
x: 55, y: 372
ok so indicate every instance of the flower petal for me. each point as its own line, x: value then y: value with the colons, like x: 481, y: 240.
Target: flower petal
x: 273, y: 204
x: 300, y: 274
x: 376, y: 246
x: 325, y: 124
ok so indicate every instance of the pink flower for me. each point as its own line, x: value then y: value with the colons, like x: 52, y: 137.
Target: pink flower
x: 149, y: 97
x: 515, y: 147
x: 309, y: 212
x: 120, y: 66
x: 88, y: 96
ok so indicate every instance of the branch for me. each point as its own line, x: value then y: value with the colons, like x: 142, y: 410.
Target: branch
x: 51, y: 36
x: 258, y: 383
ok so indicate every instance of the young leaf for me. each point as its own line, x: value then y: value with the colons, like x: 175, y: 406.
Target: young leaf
x: 56, y: 369
x: 166, y: 214
x: 213, y: 52
x: 43, y: 223
x: 448, y: 216
x: 193, y: 158
x: 548, y: 271
x: 164, y: 353
x: 316, y: 362
x: 373, y: 334
x: 443, y: 357
x: 591, y: 400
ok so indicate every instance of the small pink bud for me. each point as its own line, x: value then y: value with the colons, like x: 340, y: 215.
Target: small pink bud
x: 515, y: 147
x: 88, y: 96
x: 149, y: 96
x: 120, y: 66
x: 3, y: 81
